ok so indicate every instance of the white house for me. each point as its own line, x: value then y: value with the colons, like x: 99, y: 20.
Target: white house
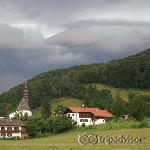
x: 89, y: 116
x: 23, y: 108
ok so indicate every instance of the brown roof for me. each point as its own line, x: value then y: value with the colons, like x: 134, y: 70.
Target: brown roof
x: 8, y: 122
x: 96, y: 111
x: 23, y: 105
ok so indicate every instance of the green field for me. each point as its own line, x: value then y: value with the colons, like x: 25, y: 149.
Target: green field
x: 123, y: 92
x: 69, y: 140
x: 65, y: 101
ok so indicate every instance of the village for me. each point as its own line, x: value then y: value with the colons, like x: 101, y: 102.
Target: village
x: 13, y: 127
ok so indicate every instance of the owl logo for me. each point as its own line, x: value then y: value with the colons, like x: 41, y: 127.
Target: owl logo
x: 87, y: 138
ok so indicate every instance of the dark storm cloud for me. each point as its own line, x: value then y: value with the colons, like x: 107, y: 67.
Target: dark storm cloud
x: 39, y: 35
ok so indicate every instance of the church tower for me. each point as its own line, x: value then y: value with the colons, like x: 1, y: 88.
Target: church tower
x: 26, y: 92
x: 23, y: 108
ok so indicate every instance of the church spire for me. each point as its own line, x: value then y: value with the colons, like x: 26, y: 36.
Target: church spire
x: 26, y: 92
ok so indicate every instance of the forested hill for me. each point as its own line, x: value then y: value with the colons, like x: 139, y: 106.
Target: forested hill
x: 130, y: 72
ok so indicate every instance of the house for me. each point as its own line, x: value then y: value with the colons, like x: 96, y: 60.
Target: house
x: 89, y: 116
x: 12, y: 128
x: 23, y: 108
x: 125, y: 117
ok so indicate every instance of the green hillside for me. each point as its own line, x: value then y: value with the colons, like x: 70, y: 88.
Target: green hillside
x: 123, y: 92
x: 75, y: 82
x: 64, y: 101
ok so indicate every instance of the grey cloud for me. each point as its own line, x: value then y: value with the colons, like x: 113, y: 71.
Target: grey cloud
x: 106, y: 22
x: 8, y: 81
x: 85, y: 31
x: 55, y: 12
x: 120, y: 38
x: 18, y: 39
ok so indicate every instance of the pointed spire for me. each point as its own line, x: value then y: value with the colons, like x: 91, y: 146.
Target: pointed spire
x: 26, y: 92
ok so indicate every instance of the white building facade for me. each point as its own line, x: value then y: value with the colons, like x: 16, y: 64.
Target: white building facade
x: 20, y: 114
x: 88, y: 116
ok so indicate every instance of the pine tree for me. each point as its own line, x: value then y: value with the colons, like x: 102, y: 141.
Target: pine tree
x: 46, y: 109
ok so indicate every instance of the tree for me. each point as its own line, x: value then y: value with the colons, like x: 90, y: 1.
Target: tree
x: 61, y: 123
x: 60, y: 109
x: 35, y: 125
x: 146, y: 77
x: 118, y: 106
x: 131, y: 94
x: 137, y: 107
x: 103, y: 99
x: 8, y: 108
x: 46, y: 109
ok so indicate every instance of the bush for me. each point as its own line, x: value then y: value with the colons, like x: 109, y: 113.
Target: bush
x: 61, y: 123
x: 37, y: 126
x: 135, y: 126
x: 143, y: 124
x: 83, y: 125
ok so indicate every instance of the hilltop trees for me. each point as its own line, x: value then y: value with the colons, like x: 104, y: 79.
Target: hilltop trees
x: 77, y: 82
x: 45, y: 109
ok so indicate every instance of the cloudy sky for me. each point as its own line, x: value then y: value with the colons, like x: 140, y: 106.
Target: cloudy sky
x: 40, y: 35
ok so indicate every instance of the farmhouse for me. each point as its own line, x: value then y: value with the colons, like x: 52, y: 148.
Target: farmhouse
x: 89, y: 116
x: 23, y: 108
x: 12, y: 128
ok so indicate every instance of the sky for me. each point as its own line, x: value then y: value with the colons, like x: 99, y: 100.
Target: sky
x: 40, y: 35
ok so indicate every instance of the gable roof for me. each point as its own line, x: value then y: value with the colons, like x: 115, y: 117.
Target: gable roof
x: 95, y: 111
x: 23, y: 105
x: 8, y: 122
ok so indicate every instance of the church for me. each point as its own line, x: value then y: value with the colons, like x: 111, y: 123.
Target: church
x: 12, y: 127
x: 23, y: 108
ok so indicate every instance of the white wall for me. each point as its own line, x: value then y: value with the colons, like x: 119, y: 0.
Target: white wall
x: 21, y: 113
x: 16, y: 134
x: 99, y: 121
x: 13, y: 135
x: 75, y: 117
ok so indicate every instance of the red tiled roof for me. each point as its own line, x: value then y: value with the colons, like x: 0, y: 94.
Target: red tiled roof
x: 96, y: 111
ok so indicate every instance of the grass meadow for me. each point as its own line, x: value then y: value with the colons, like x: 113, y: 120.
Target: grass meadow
x: 69, y: 141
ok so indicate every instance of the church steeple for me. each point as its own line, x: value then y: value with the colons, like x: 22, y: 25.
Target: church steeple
x: 26, y: 92
x: 23, y: 108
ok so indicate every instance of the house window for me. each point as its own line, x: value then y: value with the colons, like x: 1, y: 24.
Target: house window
x: 9, y: 128
x: 2, y: 128
x: 68, y: 114
x: 16, y: 128
x: 83, y: 120
x: 72, y: 114
x: 3, y: 134
x: 9, y: 134
x: 103, y: 120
